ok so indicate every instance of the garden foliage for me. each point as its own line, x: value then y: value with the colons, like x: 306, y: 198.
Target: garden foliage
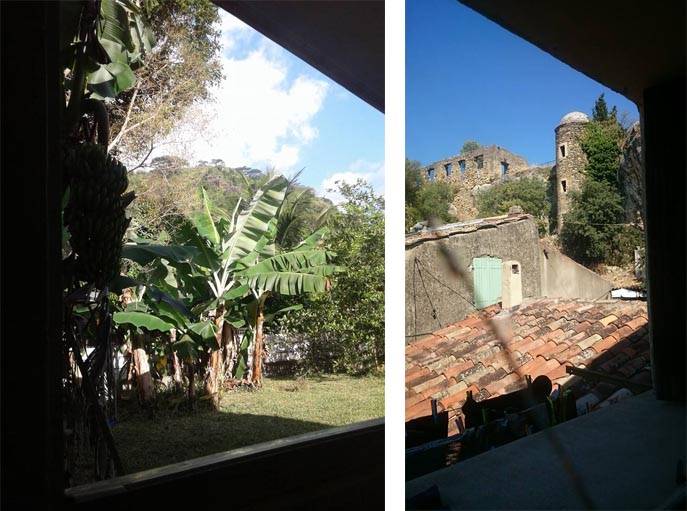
x: 345, y: 327
x: 528, y: 193
x: 425, y: 200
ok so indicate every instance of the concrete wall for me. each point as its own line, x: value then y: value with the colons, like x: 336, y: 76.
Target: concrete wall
x: 430, y: 284
x: 561, y: 277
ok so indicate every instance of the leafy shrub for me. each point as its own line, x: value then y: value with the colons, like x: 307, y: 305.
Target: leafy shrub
x: 529, y: 193
x: 345, y: 327
x: 593, y: 229
x: 425, y: 200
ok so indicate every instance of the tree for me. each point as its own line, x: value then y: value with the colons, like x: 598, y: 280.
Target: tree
x: 469, y: 145
x: 529, y: 193
x: 433, y: 201
x: 345, y: 327
x: 413, y: 184
x: 179, y: 72
x: 600, y: 110
x: 164, y: 164
x: 601, y: 143
x: 593, y: 231
x: 413, y: 180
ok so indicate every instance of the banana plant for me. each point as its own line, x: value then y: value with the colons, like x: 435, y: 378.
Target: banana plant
x: 241, y: 266
x: 303, y: 270
x: 105, y: 41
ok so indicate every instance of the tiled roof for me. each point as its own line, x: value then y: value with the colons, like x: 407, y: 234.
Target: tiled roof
x: 541, y: 337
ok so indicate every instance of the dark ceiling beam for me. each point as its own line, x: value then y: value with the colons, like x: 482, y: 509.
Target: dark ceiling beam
x: 342, y: 39
x: 627, y: 45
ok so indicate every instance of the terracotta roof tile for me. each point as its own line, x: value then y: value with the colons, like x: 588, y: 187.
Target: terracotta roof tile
x: 589, y: 341
x: 608, y: 319
x: 458, y: 368
x: 605, y: 343
x: 583, y: 326
x: 421, y: 387
x: 557, y: 372
x: 637, y: 322
x: 416, y: 372
x: 498, y: 387
x: 546, y: 350
x: 547, y: 335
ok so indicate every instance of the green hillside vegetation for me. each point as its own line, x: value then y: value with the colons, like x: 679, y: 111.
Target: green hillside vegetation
x: 169, y: 193
x: 529, y: 193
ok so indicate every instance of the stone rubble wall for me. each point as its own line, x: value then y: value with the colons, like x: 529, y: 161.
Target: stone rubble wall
x: 630, y: 175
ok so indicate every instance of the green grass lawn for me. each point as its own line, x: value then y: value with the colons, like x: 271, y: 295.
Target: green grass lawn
x: 281, y: 408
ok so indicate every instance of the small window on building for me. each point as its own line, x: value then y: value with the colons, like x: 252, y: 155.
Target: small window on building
x: 461, y: 165
x: 448, y: 169
x: 515, y: 269
x: 563, y: 151
x: 504, y: 168
x: 430, y: 174
x: 564, y: 186
x: 480, y: 161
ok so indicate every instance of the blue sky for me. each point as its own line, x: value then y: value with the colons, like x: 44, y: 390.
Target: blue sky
x: 273, y: 110
x: 468, y: 78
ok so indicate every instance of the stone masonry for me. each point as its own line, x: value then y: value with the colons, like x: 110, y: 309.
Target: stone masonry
x: 570, y: 160
x: 472, y: 170
x: 631, y: 177
x: 482, y: 168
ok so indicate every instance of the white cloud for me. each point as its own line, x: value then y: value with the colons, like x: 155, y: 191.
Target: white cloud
x: 370, y: 172
x: 259, y: 117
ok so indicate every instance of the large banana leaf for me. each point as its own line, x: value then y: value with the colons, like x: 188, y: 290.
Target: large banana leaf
x: 203, y: 332
x: 289, y: 282
x: 291, y: 273
x: 144, y: 254
x: 306, y: 261
x: 187, y: 235
x: 142, y: 320
x: 253, y: 223
x: 114, y: 23
x: 311, y: 241
x: 264, y: 248
x: 203, y: 221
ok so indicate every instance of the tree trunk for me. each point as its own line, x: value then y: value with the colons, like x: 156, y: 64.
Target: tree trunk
x: 191, y: 384
x: 212, y: 380
x: 259, y: 345
x: 176, y: 365
x: 230, y: 349
x: 144, y: 379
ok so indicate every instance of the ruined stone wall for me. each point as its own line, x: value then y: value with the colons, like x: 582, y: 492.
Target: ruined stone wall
x: 630, y: 176
x: 466, y: 183
x: 570, y: 164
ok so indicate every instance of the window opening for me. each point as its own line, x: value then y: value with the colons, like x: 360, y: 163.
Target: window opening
x: 563, y: 151
x: 564, y: 185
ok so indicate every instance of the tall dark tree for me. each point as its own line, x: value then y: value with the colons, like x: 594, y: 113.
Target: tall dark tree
x: 600, y: 110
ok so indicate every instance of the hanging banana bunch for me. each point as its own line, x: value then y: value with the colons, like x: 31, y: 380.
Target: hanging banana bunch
x: 95, y: 214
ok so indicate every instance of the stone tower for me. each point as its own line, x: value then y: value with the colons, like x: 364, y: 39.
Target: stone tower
x: 570, y: 160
